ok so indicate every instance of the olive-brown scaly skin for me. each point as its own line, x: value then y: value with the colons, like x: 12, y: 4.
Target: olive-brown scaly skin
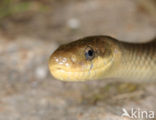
x: 109, y: 58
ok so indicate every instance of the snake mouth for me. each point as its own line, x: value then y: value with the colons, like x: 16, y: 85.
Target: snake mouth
x: 73, y: 76
x: 69, y: 76
x: 62, y: 73
x: 89, y: 73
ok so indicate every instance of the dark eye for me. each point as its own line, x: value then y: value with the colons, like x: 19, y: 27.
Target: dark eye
x: 89, y: 53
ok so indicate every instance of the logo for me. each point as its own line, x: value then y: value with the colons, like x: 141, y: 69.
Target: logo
x: 138, y: 113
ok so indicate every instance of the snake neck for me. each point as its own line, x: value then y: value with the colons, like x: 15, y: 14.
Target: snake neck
x: 137, y: 62
x: 115, y: 60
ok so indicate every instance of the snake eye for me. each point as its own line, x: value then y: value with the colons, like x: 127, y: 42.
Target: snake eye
x: 89, y: 53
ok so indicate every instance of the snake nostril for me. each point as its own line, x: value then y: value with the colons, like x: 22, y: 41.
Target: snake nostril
x: 73, y: 58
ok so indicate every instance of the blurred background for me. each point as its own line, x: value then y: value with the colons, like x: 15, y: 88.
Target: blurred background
x: 30, y: 30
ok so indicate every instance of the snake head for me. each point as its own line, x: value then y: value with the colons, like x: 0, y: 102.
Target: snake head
x: 84, y: 59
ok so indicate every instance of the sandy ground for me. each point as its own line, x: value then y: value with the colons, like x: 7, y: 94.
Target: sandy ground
x: 29, y: 92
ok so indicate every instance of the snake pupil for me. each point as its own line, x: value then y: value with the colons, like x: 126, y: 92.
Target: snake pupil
x: 89, y: 53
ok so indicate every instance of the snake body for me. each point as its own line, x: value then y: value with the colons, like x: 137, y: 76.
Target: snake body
x: 102, y: 57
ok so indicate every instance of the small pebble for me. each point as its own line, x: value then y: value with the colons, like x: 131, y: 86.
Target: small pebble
x: 73, y: 23
x: 41, y: 72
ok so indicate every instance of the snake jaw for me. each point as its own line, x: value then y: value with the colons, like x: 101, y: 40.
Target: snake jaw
x: 89, y: 71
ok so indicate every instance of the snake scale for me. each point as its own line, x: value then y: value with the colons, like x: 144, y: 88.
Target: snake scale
x: 103, y: 57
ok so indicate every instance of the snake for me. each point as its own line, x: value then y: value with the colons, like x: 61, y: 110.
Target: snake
x: 104, y: 57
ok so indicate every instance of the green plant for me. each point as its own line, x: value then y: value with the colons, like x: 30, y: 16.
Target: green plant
x: 11, y: 7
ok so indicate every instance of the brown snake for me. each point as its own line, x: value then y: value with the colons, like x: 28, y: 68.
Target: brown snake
x: 100, y: 57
